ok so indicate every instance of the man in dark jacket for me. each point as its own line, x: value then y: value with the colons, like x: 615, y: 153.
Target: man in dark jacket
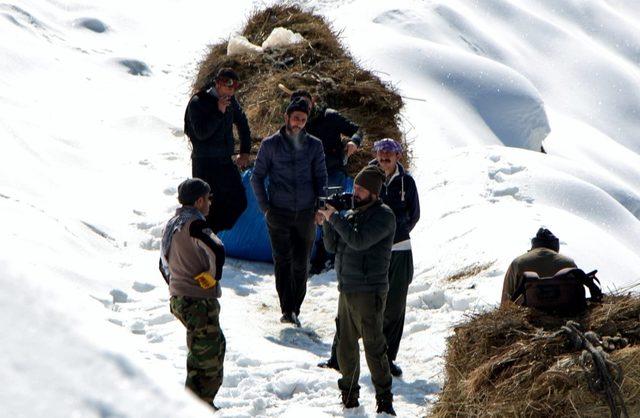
x: 362, y: 243
x: 400, y: 193
x: 543, y: 258
x: 330, y: 126
x: 208, y: 122
x: 191, y: 262
x: 294, y: 162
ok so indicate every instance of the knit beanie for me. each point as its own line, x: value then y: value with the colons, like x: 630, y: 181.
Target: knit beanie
x: 298, y: 104
x: 191, y: 189
x: 371, y: 178
x: 545, y: 238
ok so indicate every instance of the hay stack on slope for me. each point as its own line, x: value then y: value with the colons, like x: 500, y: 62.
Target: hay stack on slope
x: 510, y: 363
x: 320, y: 65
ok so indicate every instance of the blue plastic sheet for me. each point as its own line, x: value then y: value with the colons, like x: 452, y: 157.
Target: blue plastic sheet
x: 249, y: 238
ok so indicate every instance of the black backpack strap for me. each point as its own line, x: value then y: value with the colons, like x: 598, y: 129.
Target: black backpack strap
x: 590, y: 280
x: 526, y: 278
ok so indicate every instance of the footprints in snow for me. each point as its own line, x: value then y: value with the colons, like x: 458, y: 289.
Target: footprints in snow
x: 146, y: 321
x: 135, y: 67
x: 499, y: 175
x: 92, y: 24
x: 154, y: 241
x: 168, y: 156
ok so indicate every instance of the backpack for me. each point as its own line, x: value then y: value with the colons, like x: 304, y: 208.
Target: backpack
x: 563, y: 293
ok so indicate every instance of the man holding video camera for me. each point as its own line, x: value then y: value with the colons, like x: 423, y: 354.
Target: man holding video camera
x: 362, y: 243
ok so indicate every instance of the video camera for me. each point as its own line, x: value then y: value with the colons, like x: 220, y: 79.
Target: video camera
x: 338, y: 199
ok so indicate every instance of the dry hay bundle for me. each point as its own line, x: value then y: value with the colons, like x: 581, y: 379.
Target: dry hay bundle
x: 513, y: 362
x: 320, y: 65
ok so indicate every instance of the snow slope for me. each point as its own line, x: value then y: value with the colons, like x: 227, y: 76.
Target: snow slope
x: 92, y: 98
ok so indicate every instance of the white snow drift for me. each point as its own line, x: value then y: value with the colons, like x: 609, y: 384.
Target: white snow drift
x: 93, y: 98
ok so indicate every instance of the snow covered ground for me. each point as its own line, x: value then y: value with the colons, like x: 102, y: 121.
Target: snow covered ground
x: 92, y: 98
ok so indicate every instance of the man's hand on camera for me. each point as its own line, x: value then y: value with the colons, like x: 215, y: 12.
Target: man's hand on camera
x: 327, y: 211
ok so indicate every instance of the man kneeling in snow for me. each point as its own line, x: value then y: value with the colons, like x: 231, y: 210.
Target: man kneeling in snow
x: 362, y: 243
x: 191, y: 262
x: 543, y: 258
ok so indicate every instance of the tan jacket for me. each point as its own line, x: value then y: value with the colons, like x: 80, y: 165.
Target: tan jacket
x: 188, y: 257
x: 543, y: 261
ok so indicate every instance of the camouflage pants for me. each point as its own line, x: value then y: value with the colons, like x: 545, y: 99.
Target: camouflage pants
x: 205, y: 342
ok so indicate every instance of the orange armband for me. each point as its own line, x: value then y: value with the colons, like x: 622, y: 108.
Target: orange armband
x: 205, y: 280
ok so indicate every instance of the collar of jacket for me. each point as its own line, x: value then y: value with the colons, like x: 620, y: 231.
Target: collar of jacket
x: 399, y: 167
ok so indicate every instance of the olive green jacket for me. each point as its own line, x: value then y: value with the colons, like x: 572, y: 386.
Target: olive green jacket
x: 362, y: 243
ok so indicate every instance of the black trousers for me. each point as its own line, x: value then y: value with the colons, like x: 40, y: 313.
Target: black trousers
x: 229, y: 199
x: 400, y: 277
x: 291, y: 234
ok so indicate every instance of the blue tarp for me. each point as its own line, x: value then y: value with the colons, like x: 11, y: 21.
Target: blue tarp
x: 249, y: 238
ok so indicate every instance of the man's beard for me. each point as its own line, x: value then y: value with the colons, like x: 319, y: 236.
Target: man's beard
x: 295, y: 137
x: 293, y: 134
x: 358, y: 203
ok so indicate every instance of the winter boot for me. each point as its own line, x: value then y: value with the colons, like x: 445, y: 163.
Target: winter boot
x: 332, y: 363
x: 295, y: 320
x: 350, y: 399
x: 384, y: 403
x: 286, y: 318
x: 394, y: 369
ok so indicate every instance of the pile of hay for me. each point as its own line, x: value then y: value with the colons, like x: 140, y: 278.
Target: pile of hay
x: 510, y: 363
x: 320, y: 65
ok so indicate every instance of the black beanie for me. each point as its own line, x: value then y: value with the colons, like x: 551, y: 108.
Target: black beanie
x: 371, y: 178
x: 545, y: 238
x: 191, y: 189
x: 298, y: 104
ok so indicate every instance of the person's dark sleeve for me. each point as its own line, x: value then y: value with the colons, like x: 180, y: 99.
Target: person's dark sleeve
x: 261, y: 169
x: 320, y: 171
x: 413, y: 202
x: 357, y: 138
x: 345, y: 126
x: 363, y: 238
x: 197, y: 231
x: 203, y: 119
x: 242, y: 124
x: 329, y: 237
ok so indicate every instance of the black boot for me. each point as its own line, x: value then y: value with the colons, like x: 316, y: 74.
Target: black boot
x: 318, y: 263
x: 350, y: 399
x: 290, y: 318
x: 384, y: 403
x: 394, y: 369
x: 332, y: 363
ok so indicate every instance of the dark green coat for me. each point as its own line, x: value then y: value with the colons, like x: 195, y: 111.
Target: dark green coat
x: 362, y: 243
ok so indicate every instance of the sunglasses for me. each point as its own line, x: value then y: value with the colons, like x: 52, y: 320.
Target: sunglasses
x: 229, y: 82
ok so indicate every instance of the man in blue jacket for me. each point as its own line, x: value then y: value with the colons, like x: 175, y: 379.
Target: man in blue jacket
x: 208, y: 122
x: 294, y: 162
x: 330, y: 126
x: 400, y: 193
